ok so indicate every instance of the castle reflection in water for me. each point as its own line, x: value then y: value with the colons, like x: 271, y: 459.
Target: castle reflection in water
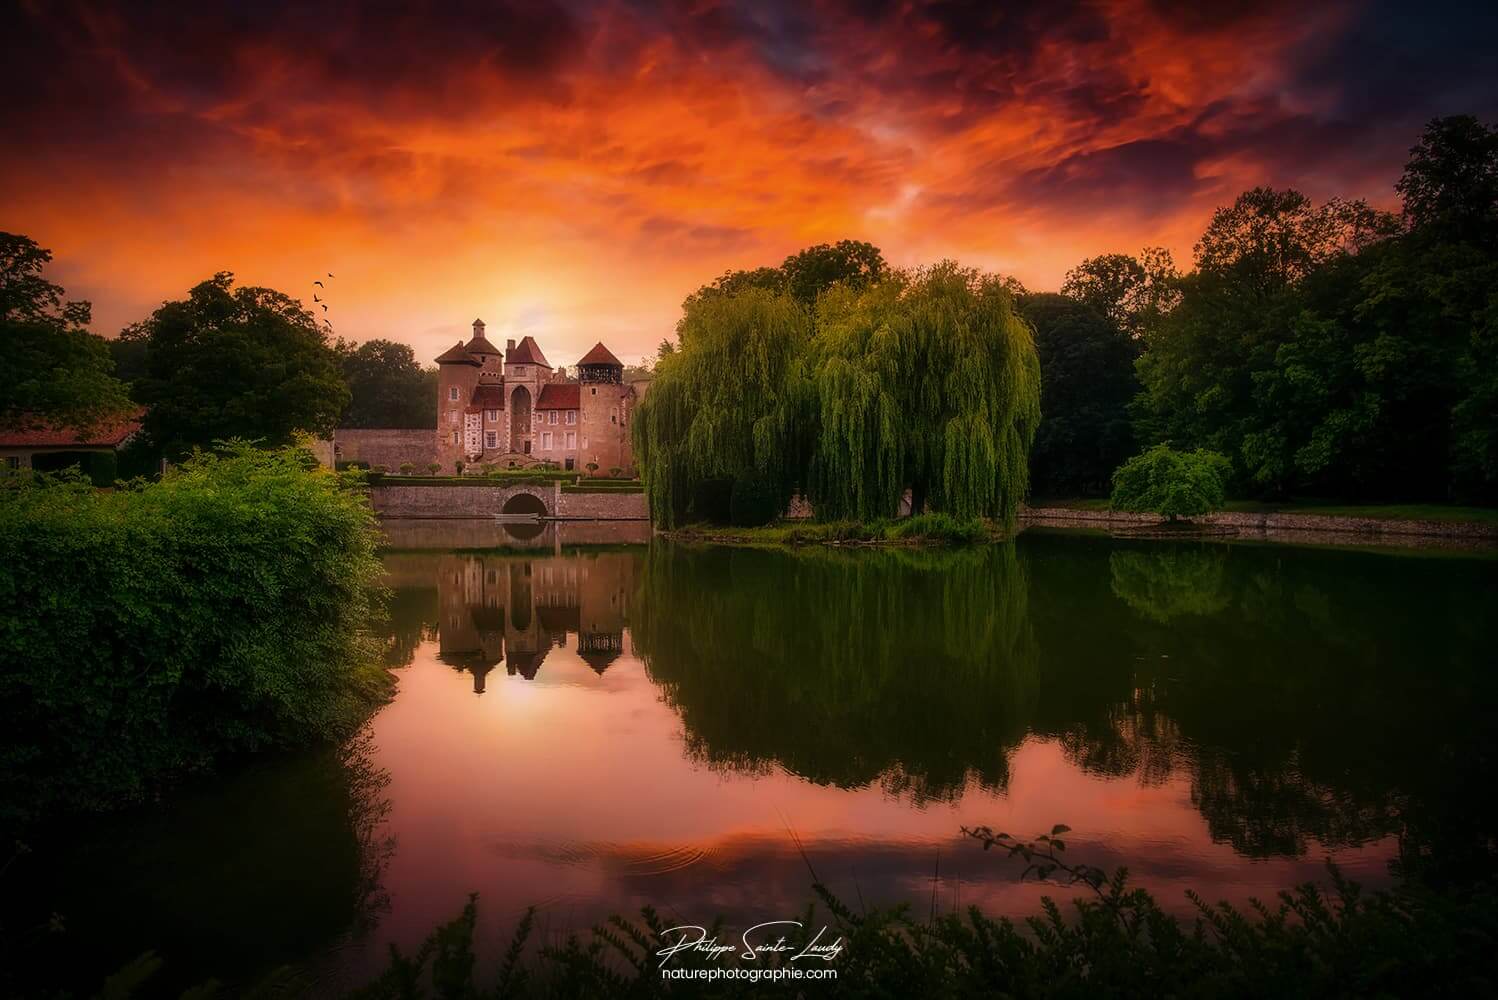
x: 506, y: 610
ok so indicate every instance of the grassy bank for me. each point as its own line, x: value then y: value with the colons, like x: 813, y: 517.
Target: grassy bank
x: 1324, y: 508
x: 151, y: 631
x: 924, y: 529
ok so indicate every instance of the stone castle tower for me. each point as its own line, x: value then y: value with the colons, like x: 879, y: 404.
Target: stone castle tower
x: 514, y: 410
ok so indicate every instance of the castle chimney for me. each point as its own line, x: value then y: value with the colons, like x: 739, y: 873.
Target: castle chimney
x: 509, y: 345
x: 478, y: 328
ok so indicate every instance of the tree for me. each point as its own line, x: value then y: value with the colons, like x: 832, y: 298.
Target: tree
x: 387, y: 386
x: 812, y: 271
x: 1171, y: 483
x: 1133, y: 292
x: 56, y: 371
x: 1086, y: 383
x: 725, y: 401
x: 1451, y: 179
x: 238, y: 363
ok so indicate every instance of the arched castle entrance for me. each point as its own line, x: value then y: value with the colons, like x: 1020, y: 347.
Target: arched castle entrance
x: 520, y: 420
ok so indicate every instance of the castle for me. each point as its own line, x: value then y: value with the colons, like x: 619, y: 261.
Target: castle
x: 514, y: 410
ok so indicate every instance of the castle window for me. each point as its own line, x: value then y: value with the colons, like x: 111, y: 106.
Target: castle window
x: 492, y: 416
x: 585, y: 442
x: 594, y: 390
x: 452, y: 393
x: 551, y: 416
x: 571, y: 440
x: 572, y: 416
x: 570, y: 463
x: 491, y: 439
x: 546, y: 440
x: 455, y: 437
x: 452, y: 417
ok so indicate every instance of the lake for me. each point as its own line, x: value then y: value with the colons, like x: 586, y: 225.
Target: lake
x: 591, y: 728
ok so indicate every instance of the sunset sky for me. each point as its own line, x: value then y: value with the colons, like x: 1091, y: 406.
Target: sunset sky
x: 573, y: 170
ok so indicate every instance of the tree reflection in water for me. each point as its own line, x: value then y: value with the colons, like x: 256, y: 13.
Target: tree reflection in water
x: 1334, y: 697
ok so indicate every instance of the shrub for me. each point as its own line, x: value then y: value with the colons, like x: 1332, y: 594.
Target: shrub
x: 434, y: 468
x: 615, y: 471
x: 592, y: 467
x: 942, y: 528
x: 152, y: 630
x: 1172, y: 483
x: 458, y: 465
x: 407, y: 468
x: 752, y: 502
x: 382, y: 469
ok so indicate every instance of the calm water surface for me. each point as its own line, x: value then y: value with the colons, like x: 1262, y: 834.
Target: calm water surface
x: 591, y: 729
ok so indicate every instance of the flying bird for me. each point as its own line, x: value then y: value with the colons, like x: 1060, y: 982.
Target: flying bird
x: 319, y: 284
x: 330, y: 274
x: 315, y: 298
x: 325, y: 307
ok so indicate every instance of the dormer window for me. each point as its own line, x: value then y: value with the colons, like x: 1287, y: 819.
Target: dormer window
x: 452, y: 393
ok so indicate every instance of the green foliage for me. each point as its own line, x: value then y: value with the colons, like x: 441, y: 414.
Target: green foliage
x: 434, y: 468
x: 245, y: 363
x: 151, y: 631
x: 753, y: 501
x: 387, y: 386
x: 1133, y: 293
x: 56, y: 371
x: 926, y: 380
x: 1326, y: 351
x: 942, y: 528
x: 1172, y: 483
x: 1087, y: 381
x: 726, y: 402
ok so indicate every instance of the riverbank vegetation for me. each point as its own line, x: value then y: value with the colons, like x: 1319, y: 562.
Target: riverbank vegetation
x: 154, y: 630
x: 922, y: 529
x: 1113, y: 940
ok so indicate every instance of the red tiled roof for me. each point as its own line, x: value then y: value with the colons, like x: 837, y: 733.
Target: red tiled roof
x: 457, y: 355
x: 489, y: 396
x: 601, y: 355
x: 480, y: 345
x: 106, y: 434
x: 559, y: 396
x: 527, y: 353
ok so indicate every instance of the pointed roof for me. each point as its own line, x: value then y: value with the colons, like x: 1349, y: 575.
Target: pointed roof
x: 601, y: 355
x: 527, y: 353
x: 480, y: 344
x: 457, y: 355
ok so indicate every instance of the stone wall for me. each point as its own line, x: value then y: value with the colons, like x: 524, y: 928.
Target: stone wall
x: 1265, y: 523
x: 389, y: 447
x: 603, y: 506
x: 485, y: 501
x: 441, y: 533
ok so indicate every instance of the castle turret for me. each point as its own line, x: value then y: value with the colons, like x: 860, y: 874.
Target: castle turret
x: 457, y: 377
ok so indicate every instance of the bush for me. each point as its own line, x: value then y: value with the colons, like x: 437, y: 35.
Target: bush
x: 615, y: 471
x: 942, y: 528
x: 753, y: 502
x: 407, y: 468
x: 1172, y: 483
x: 150, y: 631
x: 458, y: 466
x: 592, y: 467
x: 434, y: 468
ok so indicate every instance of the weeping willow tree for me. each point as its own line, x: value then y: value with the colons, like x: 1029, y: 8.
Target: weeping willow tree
x: 928, y: 381
x: 733, y: 399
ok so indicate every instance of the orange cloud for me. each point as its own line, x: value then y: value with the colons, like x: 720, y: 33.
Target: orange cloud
x: 573, y: 171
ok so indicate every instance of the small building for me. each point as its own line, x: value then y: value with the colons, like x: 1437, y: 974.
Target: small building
x: 512, y: 408
x: 49, y: 448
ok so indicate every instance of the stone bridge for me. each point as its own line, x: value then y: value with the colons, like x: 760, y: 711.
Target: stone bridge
x: 438, y: 500
x: 482, y: 499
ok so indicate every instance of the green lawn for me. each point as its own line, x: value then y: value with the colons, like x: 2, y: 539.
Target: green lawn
x: 1329, y: 508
